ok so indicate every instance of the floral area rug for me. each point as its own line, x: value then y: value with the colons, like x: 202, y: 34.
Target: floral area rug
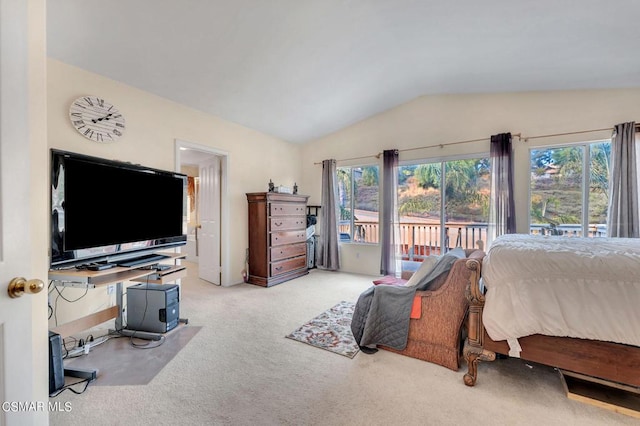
x: 330, y: 330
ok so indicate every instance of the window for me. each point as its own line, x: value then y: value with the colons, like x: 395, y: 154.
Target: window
x: 569, y: 190
x: 358, y: 204
x: 432, y: 220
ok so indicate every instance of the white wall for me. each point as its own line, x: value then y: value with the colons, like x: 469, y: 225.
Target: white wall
x: 434, y: 120
x: 152, y: 126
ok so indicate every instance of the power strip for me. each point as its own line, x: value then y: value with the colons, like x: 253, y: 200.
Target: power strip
x: 84, y: 350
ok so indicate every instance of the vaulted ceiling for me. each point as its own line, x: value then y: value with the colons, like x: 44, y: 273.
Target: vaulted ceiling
x: 301, y: 69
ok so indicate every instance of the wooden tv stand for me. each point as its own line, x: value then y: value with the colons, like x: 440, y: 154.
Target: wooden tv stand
x: 80, y: 278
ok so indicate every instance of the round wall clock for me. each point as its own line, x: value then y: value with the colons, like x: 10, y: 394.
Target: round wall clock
x: 96, y: 119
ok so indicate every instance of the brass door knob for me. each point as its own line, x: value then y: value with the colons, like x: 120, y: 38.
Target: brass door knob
x: 19, y: 286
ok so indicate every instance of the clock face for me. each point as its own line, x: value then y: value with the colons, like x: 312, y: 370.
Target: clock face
x: 96, y: 119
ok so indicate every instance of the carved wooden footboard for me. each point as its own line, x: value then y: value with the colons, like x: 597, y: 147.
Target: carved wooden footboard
x: 607, y: 361
x: 474, y: 344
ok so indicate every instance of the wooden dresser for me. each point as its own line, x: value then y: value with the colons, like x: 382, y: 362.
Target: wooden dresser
x: 277, y: 237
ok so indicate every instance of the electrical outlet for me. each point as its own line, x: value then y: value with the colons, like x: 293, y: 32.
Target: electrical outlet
x: 111, y: 289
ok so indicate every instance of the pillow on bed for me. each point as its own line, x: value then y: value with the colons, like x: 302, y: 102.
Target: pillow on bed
x: 427, y: 265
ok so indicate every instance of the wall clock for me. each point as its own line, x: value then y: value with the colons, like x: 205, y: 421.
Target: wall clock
x: 96, y: 119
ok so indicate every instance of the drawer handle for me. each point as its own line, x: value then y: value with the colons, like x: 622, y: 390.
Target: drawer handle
x: 277, y: 223
x: 278, y: 268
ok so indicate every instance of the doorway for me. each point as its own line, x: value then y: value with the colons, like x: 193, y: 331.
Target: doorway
x: 206, y: 221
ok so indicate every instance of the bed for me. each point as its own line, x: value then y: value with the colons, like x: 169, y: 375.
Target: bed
x: 570, y: 303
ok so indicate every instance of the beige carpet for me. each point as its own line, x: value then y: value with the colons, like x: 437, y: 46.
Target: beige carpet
x: 239, y: 369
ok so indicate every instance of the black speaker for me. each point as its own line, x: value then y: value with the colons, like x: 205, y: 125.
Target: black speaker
x: 56, y: 365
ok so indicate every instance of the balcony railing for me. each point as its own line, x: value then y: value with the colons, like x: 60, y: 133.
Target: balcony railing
x: 568, y: 230
x: 418, y: 240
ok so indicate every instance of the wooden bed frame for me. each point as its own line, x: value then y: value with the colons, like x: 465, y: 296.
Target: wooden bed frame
x: 611, y: 362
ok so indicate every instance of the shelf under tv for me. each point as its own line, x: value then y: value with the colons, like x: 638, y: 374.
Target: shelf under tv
x: 82, y: 277
x: 116, y: 275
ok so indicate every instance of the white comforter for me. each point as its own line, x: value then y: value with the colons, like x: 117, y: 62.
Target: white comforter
x: 558, y: 286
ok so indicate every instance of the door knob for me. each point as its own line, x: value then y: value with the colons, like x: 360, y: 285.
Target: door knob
x: 19, y: 286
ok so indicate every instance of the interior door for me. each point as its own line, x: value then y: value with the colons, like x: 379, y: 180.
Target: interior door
x: 209, y: 233
x: 23, y: 144
x: 16, y: 328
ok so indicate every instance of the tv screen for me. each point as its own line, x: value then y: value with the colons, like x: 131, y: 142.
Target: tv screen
x: 104, y: 210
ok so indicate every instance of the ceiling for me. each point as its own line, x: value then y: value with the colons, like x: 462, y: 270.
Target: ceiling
x: 302, y: 69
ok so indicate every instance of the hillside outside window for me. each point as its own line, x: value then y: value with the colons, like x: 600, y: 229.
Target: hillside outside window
x: 569, y: 189
x: 443, y: 205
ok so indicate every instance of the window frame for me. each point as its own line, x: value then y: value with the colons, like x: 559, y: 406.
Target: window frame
x: 442, y: 160
x: 586, y: 178
x: 352, y: 202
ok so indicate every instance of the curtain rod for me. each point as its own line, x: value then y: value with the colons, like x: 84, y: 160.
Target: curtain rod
x: 518, y: 135
x: 526, y: 139
x: 442, y: 145
x: 354, y: 158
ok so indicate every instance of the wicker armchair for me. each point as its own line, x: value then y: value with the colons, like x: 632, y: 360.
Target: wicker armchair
x: 436, y: 335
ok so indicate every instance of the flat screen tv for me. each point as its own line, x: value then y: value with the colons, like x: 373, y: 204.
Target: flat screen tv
x: 107, y: 211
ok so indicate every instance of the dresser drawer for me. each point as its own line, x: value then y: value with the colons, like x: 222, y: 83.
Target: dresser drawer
x: 284, y: 252
x: 288, y: 237
x: 287, y: 223
x: 288, y: 265
x: 287, y: 209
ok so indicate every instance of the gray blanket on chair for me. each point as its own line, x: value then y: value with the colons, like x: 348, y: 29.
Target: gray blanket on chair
x: 382, y: 313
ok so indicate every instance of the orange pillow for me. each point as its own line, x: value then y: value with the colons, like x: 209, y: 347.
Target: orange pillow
x: 416, y: 308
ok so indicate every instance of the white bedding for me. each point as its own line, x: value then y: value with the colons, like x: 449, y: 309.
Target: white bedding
x: 579, y: 287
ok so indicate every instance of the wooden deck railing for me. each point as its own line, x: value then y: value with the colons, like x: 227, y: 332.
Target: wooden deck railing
x: 418, y: 240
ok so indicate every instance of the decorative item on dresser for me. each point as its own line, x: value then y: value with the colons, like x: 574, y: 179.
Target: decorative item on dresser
x: 277, y: 237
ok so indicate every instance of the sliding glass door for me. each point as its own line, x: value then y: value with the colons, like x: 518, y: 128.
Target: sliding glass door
x: 443, y: 205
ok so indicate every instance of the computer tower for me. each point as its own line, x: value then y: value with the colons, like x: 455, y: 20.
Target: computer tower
x: 153, y: 307
x: 56, y: 365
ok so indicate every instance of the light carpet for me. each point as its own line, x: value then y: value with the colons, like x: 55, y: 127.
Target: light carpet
x: 240, y: 370
x: 331, y: 331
